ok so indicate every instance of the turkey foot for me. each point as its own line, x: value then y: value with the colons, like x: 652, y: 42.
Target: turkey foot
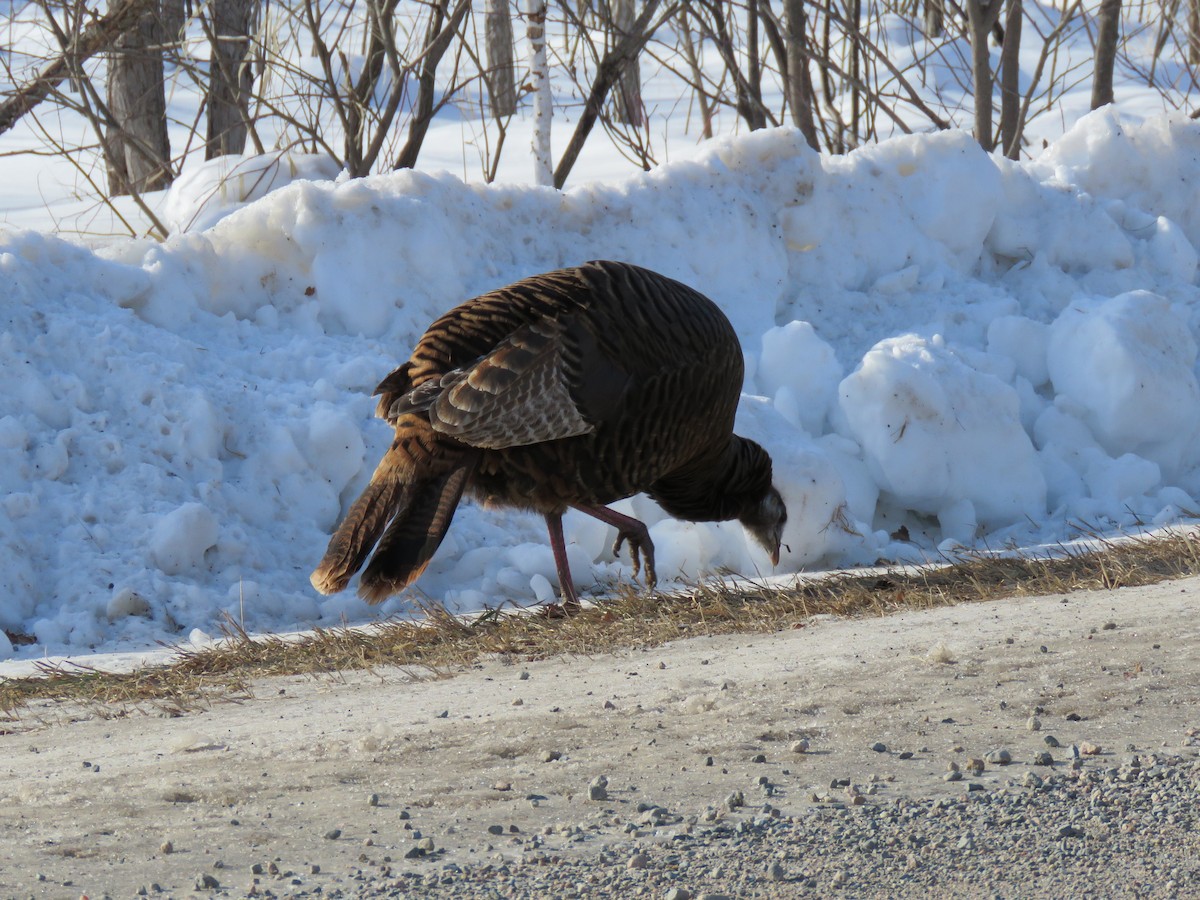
x: 632, y: 531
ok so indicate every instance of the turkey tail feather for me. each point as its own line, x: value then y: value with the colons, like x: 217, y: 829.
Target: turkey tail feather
x: 384, y: 498
x: 414, y: 536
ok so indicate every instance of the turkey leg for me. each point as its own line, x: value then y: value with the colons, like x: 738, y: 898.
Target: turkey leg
x: 570, y: 602
x: 631, y: 530
x: 628, y: 530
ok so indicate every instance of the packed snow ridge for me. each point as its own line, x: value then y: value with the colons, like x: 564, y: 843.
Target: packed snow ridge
x: 943, y: 349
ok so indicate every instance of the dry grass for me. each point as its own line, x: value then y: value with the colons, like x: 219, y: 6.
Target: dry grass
x: 443, y: 644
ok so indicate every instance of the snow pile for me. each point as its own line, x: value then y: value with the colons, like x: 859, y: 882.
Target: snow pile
x: 207, y: 192
x: 941, y: 437
x: 942, y: 349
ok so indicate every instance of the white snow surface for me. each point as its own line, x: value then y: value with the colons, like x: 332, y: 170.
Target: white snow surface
x: 988, y: 353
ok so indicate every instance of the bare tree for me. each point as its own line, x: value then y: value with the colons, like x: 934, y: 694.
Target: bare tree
x: 386, y: 68
x: 539, y: 82
x: 714, y: 20
x: 439, y: 33
x: 691, y: 55
x: 1194, y: 32
x: 981, y: 16
x: 1010, y: 81
x: 934, y: 18
x: 230, y: 27
x: 501, y: 77
x: 98, y: 35
x: 361, y: 113
x: 799, y: 81
x: 607, y: 73
x: 363, y: 126
x: 627, y: 99
x: 1108, y: 26
x: 136, y: 148
x: 755, y: 110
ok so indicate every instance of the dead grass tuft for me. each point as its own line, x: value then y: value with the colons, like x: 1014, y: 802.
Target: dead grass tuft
x: 442, y: 644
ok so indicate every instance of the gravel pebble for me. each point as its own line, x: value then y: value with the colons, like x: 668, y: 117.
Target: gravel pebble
x: 1001, y: 756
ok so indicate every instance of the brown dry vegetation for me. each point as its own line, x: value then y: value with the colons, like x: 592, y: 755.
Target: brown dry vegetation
x: 442, y: 644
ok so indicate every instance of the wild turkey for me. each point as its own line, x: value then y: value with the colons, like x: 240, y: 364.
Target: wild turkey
x: 571, y: 389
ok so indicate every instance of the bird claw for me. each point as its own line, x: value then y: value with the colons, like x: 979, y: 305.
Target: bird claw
x: 639, y: 545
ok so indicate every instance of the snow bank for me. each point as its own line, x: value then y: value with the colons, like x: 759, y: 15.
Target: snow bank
x: 941, y: 437
x: 206, y: 193
x: 973, y: 349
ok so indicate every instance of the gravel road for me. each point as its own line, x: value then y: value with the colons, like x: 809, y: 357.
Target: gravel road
x: 1042, y: 747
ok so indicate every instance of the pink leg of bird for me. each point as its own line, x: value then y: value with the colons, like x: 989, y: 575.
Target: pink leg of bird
x: 570, y: 602
x: 631, y: 530
x: 628, y: 530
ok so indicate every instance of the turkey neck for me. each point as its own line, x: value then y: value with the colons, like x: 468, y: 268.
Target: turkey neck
x: 718, y: 486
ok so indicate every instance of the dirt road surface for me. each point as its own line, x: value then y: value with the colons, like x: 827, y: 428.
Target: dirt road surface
x: 391, y: 784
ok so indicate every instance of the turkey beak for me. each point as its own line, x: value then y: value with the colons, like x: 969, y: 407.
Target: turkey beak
x: 775, y: 556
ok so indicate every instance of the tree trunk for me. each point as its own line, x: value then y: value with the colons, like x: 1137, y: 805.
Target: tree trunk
x: 934, y: 18
x: 854, y: 17
x: 1194, y: 32
x: 501, y: 74
x: 799, y: 80
x: 980, y: 19
x: 174, y: 19
x: 754, y: 112
x: 539, y: 78
x: 1108, y: 27
x: 628, y: 97
x: 136, y: 147
x: 230, y: 75
x: 1010, y: 81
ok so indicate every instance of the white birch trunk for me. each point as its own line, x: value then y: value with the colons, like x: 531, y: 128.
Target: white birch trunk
x: 539, y: 77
